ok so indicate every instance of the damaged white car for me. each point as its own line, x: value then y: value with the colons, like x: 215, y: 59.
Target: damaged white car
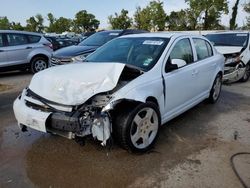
x: 126, y: 89
x: 235, y: 46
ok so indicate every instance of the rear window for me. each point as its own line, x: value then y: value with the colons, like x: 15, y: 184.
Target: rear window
x: 34, y: 38
x: 1, y: 40
x: 16, y: 39
x: 235, y: 39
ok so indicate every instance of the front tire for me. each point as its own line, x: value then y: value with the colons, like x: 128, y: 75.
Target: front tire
x: 216, y: 89
x: 137, y: 129
x: 246, y: 74
x: 38, y: 64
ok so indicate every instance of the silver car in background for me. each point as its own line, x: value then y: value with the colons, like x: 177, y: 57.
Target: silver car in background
x: 21, y: 50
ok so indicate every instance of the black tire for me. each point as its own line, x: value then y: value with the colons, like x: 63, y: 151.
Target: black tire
x: 215, y: 90
x: 246, y: 74
x: 124, y: 127
x: 38, y: 64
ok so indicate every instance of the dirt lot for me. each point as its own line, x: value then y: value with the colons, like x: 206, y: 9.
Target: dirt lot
x: 193, y: 150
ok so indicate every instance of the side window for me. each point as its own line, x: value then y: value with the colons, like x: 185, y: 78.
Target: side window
x: 203, y: 49
x: 1, y: 40
x: 182, y: 50
x: 210, y: 51
x: 33, y: 38
x: 16, y: 39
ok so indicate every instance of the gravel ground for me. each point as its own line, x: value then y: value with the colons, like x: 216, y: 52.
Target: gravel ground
x: 193, y: 150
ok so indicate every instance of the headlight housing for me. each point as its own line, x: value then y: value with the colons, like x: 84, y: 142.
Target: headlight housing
x: 80, y: 58
x: 233, y: 60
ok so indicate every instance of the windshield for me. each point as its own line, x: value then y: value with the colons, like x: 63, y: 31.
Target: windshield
x: 141, y: 52
x: 98, y: 39
x: 235, y: 39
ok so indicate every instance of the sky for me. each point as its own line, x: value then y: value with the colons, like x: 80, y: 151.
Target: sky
x: 21, y: 10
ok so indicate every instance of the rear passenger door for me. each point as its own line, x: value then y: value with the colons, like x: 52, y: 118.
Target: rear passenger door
x: 18, y: 48
x: 3, y: 56
x: 205, y: 64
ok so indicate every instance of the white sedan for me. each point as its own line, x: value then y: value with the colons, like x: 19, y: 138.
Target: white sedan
x: 126, y: 89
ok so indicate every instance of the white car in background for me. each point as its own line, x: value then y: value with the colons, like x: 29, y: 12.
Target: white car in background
x: 128, y: 88
x: 235, y: 46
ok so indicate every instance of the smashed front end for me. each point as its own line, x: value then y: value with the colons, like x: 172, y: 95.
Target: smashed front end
x: 76, y: 120
x: 234, y: 68
x: 67, y: 121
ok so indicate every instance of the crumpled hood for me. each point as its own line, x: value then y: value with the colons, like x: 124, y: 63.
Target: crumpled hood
x: 228, y: 49
x: 72, y: 51
x: 74, y: 84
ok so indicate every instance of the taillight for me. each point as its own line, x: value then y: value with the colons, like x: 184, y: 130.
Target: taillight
x: 49, y: 45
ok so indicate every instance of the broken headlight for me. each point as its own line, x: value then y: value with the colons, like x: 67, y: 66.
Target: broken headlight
x: 233, y: 60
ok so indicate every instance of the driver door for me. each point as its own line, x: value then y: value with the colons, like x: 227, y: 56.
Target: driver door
x: 179, y: 83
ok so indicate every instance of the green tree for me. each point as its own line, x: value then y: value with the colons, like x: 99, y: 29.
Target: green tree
x: 62, y: 24
x: 152, y: 17
x: 85, y: 21
x: 210, y: 11
x: 4, y: 23
x: 122, y: 21
x: 142, y: 19
x: 232, y: 23
x: 247, y: 9
x: 17, y: 26
x: 51, y: 28
x: 176, y: 22
x: 35, y: 24
x: 158, y: 15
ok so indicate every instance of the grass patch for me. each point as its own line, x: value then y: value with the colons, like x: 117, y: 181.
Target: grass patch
x: 4, y: 87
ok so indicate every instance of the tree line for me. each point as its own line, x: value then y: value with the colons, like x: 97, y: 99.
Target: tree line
x: 200, y: 14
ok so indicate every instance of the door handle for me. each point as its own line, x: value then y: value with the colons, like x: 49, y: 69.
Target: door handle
x: 1, y: 50
x: 28, y: 47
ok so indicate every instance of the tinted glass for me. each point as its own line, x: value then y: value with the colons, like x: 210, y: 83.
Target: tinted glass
x: 201, y: 49
x: 34, y: 38
x: 182, y: 50
x: 139, y: 52
x: 98, y: 39
x: 16, y: 39
x: 1, y: 40
x: 237, y: 39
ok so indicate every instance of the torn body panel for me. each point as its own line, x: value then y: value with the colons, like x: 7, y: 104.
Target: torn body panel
x: 63, y: 115
x: 236, y: 59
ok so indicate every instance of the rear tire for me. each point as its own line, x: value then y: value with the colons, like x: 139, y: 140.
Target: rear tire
x: 137, y: 128
x: 216, y: 89
x: 38, y: 64
x: 246, y: 74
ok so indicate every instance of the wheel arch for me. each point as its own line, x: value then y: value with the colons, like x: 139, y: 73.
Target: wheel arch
x: 39, y: 55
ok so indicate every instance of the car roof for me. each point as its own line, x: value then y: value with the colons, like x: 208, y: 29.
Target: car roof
x: 124, y: 31
x: 20, y: 32
x: 162, y: 35
x: 228, y: 32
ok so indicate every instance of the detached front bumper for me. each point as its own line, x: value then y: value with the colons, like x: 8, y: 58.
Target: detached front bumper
x: 29, y: 117
x: 32, y: 113
x: 233, y: 74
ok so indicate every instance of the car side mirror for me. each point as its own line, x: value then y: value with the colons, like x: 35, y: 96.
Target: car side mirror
x: 179, y: 62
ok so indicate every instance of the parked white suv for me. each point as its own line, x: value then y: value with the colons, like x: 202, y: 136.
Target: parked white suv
x: 235, y: 46
x: 127, y: 88
x: 21, y: 50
